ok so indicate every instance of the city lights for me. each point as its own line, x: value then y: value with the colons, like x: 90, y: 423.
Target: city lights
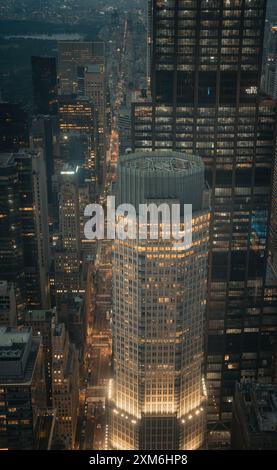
x: 138, y: 232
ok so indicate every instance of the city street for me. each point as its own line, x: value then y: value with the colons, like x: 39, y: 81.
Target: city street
x: 97, y: 371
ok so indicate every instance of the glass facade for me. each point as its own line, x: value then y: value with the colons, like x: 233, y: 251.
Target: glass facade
x: 24, y: 234
x: 44, y: 79
x: 205, y: 79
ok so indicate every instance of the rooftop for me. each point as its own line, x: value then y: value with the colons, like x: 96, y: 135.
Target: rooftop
x: 94, y: 68
x: 18, y: 355
x: 69, y: 169
x: 167, y: 161
x: 260, y: 404
x: 40, y: 315
x: 10, y: 337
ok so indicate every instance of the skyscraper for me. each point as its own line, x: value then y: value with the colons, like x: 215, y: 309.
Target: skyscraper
x: 14, y: 132
x: 82, y: 69
x: 42, y: 323
x: 206, y: 62
x: 33, y: 216
x: 44, y: 135
x: 72, y: 55
x: 22, y: 393
x: 65, y: 386
x: 44, y: 77
x: 11, y: 247
x: 269, y: 76
x: 78, y: 124
x: 68, y: 252
x: 95, y: 89
x: 159, y: 297
x: 24, y: 226
x: 273, y: 219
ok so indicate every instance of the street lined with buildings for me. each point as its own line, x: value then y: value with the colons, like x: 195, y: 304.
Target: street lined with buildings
x: 144, y: 342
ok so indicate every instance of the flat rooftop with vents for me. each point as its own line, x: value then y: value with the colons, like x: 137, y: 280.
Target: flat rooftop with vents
x: 18, y: 355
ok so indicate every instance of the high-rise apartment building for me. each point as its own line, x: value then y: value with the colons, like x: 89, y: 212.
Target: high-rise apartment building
x: 159, y: 298
x: 206, y: 62
x: 65, y: 386
x: 22, y: 389
x: 44, y: 78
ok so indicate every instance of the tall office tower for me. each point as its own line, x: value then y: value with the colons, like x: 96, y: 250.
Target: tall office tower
x: 95, y: 89
x: 254, y: 424
x: 11, y: 248
x: 8, y: 315
x: 22, y: 389
x: 269, y: 77
x: 82, y: 68
x: 33, y: 216
x: 44, y: 135
x: 42, y: 323
x: 159, y: 297
x: 72, y: 55
x: 78, y: 133
x: 205, y: 80
x: 124, y: 130
x: 273, y: 220
x: 24, y: 227
x: 65, y: 386
x: 44, y: 78
x: 14, y: 132
x: 69, y: 209
x: 68, y: 253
